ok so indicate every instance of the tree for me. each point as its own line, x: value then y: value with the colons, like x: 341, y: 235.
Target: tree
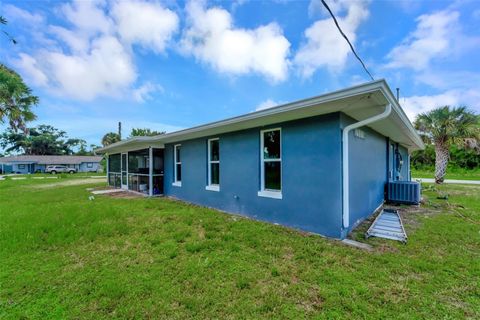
x: 16, y: 99
x: 40, y: 140
x: 460, y: 157
x: 84, y: 151
x: 444, y: 126
x: 110, y: 138
x: 10, y: 38
x: 137, y: 132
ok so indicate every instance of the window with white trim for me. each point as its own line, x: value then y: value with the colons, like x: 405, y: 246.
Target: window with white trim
x: 178, y: 165
x: 271, y: 163
x: 213, y: 164
x: 89, y: 165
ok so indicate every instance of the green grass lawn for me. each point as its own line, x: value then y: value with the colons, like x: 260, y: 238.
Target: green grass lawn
x: 451, y: 174
x: 64, y: 256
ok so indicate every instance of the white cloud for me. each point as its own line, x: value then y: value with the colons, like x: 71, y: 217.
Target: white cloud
x: 92, y: 55
x: 437, y: 35
x: 267, y: 104
x: 430, y: 51
x: 448, y: 79
x: 414, y: 105
x: 88, y: 60
x: 148, y: 24
x: 145, y: 91
x: 76, y: 42
x: 15, y: 13
x: 106, y: 69
x: 324, y: 46
x: 212, y: 38
x: 30, y: 66
x: 31, y: 22
x: 88, y: 16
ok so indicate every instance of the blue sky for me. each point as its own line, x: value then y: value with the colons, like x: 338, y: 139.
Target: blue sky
x: 168, y: 65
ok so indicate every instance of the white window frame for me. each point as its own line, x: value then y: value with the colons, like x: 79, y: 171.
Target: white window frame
x: 176, y: 182
x: 210, y: 186
x: 89, y: 165
x: 275, y: 194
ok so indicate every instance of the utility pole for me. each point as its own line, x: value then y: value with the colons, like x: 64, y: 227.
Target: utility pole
x: 120, y: 130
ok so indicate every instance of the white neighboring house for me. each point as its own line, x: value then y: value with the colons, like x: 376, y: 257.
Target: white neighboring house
x: 32, y: 164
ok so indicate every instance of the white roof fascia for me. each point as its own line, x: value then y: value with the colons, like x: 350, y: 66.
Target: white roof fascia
x: 193, y: 132
x: 411, y: 132
x: 131, y: 144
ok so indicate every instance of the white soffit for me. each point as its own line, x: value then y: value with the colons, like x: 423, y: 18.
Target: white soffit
x: 359, y: 102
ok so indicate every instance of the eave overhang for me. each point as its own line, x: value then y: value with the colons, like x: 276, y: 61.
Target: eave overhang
x: 359, y: 102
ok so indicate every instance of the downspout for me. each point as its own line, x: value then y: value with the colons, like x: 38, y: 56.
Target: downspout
x: 345, y: 168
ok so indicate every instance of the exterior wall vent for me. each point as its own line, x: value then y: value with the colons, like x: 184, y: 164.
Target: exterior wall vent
x: 407, y: 192
x: 359, y: 133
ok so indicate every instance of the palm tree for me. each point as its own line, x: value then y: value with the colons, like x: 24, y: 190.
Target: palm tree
x: 10, y: 38
x: 110, y: 138
x: 444, y: 126
x: 16, y: 99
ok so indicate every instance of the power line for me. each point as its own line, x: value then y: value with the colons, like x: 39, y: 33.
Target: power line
x: 346, y: 38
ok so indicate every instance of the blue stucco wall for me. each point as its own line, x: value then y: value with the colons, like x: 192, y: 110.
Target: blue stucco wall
x: 6, y: 168
x: 84, y: 168
x: 311, y: 175
x: 368, y: 172
x: 32, y: 168
x: 28, y: 168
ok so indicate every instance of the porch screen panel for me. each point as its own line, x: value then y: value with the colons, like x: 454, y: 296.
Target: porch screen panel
x: 114, y: 163
x: 157, y: 161
x: 157, y: 178
x: 138, y: 161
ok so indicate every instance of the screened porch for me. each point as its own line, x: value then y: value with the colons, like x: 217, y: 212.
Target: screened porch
x: 139, y: 170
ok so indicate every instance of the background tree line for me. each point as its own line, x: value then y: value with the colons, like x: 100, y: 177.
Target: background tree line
x: 112, y: 137
x: 47, y: 140
x: 42, y: 140
x: 452, y: 137
x: 460, y: 158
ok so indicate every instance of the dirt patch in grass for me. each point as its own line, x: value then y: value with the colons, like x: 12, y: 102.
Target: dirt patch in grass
x: 66, y: 183
x: 411, y: 218
x: 123, y: 195
x: 436, y: 200
x: 99, y: 188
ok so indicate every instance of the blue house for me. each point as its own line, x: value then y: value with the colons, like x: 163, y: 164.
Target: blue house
x: 319, y: 164
x: 36, y: 163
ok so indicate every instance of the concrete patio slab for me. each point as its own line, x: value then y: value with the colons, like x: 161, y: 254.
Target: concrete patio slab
x: 107, y: 191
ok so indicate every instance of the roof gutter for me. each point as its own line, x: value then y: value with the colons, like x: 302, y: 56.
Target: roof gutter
x: 345, y: 163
